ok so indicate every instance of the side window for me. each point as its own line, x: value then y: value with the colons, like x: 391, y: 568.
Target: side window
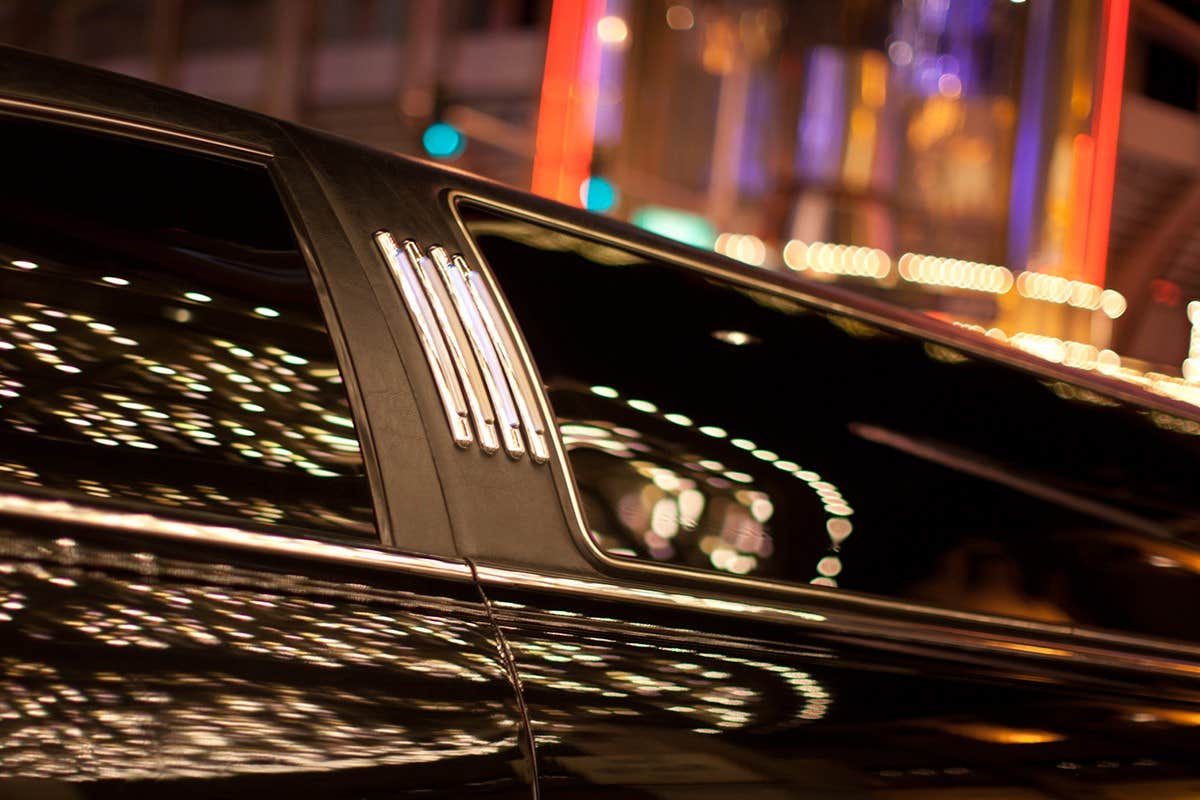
x: 719, y: 428
x: 161, y: 341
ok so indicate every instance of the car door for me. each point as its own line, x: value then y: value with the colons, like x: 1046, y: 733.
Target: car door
x: 824, y: 552
x: 225, y: 564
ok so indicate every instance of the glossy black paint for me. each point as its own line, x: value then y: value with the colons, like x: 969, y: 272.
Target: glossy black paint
x: 635, y: 701
x: 133, y: 668
x: 137, y: 662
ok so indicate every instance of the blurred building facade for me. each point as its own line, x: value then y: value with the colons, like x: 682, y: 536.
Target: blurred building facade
x: 378, y: 71
x: 1030, y: 167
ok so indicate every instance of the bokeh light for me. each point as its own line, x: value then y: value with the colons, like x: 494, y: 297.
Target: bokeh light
x: 598, y: 194
x: 443, y: 140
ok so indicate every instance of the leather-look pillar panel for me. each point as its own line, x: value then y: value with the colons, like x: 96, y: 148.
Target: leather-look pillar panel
x: 413, y: 509
x: 140, y: 667
x: 499, y: 507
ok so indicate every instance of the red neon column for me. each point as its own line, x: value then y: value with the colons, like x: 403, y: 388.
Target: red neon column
x: 567, y: 112
x: 1106, y: 123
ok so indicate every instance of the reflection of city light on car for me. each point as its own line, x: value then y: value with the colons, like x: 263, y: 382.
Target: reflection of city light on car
x: 997, y: 734
x: 678, y: 493
x: 735, y: 338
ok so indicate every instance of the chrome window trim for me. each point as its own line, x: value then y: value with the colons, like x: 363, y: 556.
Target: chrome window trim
x: 403, y: 269
x: 453, y: 273
x: 165, y: 527
x: 1012, y: 637
x: 139, y: 130
x: 577, y: 522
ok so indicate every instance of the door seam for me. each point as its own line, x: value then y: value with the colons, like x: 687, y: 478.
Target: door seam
x: 514, y: 677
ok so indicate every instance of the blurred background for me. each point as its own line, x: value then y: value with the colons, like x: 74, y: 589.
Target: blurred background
x: 1030, y: 168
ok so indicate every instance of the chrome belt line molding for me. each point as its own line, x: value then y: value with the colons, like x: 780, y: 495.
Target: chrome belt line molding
x: 71, y: 513
x: 1092, y: 648
x: 469, y: 353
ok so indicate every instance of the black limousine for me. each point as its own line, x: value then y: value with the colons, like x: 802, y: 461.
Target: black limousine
x: 329, y: 473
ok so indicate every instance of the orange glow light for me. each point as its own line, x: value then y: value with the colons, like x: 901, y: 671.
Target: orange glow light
x: 567, y: 112
x: 1083, y: 153
x: 998, y: 734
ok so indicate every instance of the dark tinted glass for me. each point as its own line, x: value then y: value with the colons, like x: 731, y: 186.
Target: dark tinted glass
x: 725, y: 429
x: 161, y: 340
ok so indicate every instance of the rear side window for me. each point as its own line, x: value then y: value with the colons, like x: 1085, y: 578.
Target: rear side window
x: 161, y: 340
x: 719, y: 428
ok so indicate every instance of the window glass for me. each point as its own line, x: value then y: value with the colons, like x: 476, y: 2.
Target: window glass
x: 161, y: 340
x: 720, y: 428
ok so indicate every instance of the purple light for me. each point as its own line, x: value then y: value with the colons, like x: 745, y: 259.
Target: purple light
x: 822, y: 123
x: 752, y: 161
x: 1024, y: 203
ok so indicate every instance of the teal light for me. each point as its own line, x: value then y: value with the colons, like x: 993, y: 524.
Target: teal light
x: 597, y: 194
x: 682, y: 226
x: 443, y: 140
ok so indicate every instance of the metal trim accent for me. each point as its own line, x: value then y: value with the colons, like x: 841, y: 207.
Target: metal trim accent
x: 1013, y: 638
x: 452, y: 333
x: 860, y: 604
x: 487, y: 302
x: 453, y: 272
x: 66, y: 512
x: 404, y: 271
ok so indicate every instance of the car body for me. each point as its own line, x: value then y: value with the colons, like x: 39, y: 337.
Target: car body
x: 294, y: 500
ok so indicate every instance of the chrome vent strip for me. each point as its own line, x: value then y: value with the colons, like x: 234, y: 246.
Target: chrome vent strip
x: 452, y: 332
x: 471, y: 354
x: 485, y: 302
x: 454, y: 277
x: 404, y: 272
